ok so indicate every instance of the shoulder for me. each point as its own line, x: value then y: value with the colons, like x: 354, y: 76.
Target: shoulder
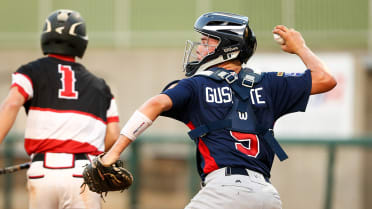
x: 276, y: 76
x: 181, y: 90
x: 30, y: 67
x: 195, y: 82
x: 91, y: 79
x: 100, y: 83
x: 103, y: 86
x: 286, y: 83
x: 87, y: 74
x: 185, y: 82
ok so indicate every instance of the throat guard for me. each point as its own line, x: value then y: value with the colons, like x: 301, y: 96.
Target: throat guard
x: 241, y: 117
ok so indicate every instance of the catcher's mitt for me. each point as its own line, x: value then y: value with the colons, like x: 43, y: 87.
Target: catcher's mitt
x: 105, y: 179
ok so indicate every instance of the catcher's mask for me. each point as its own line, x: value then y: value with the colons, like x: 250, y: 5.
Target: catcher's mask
x: 64, y: 33
x: 236, y: 41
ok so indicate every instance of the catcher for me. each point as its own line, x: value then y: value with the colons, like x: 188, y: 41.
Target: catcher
x: 231, y: 111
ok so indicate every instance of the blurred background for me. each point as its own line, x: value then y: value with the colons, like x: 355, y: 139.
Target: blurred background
x: 137, y: 47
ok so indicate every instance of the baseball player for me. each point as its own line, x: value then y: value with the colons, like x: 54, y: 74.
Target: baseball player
x: 71, y: 116
x: 231, y: 111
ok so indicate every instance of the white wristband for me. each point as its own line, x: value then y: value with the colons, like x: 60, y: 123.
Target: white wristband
x: 136, y: 125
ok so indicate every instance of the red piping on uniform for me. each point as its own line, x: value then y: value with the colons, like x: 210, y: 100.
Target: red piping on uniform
x: 68, y: 111
x: 59, y: 146
x: 62, y: 57
x: 20, y: 90
x: 113, y: 119
x: 190, y: 125
x: 26, y: 76
x: 210, y: 164
x: 36, y: 177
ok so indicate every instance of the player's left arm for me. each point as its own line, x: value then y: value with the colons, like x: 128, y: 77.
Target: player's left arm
x: 146, y: 114
x: 322, y: 80
x: 9, y: 110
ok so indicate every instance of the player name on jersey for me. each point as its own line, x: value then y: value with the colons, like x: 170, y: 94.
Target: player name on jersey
x: 224, y: 95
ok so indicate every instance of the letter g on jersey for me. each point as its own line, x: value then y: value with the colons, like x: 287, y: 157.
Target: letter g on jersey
x: 218, y: 95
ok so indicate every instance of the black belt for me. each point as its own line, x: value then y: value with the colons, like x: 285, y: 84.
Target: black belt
x: 41, y: 157
x: 240, y: 171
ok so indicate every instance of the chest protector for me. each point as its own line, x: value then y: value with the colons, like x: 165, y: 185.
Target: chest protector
x: 241, y: 117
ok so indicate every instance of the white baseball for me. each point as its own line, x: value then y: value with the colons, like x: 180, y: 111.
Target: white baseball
x: 278, y: 39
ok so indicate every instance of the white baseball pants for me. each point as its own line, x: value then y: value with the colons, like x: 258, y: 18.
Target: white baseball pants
x: 53, y: 185
x: 222, y: 191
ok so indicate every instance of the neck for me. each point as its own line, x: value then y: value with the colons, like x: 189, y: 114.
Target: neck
x: 63, y: 57
x: 234, y: 65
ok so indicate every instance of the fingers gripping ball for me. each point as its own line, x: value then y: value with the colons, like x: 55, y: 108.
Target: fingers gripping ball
x: 278, y: 39
x: 102, y: 179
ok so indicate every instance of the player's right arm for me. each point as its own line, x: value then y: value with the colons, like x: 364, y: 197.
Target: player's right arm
x: 9, y: 110
x: 112, y: 134
x: 322, y: 80
x: 113, y: 129
x: 148, y: 112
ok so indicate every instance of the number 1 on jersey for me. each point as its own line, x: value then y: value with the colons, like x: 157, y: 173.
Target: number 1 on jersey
x: 248, y: 143
x: 68, y: 83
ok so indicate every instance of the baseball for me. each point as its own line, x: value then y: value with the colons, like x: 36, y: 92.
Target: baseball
x: 278, y: 39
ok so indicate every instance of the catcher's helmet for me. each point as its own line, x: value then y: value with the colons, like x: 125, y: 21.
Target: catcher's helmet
x: 236, y: 40
x: 64, y: 33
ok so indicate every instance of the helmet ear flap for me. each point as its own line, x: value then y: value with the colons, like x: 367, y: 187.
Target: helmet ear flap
x: 250, y: 45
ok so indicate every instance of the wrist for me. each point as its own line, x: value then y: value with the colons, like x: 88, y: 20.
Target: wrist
x: 137, y: 123
x: 109, y: 158
x: 301, y: 51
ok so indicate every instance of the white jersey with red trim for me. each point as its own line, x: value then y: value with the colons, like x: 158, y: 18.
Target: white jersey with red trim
x: 68, y: 108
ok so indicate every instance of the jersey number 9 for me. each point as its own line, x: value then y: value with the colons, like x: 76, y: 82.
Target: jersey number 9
x: 247, y: 143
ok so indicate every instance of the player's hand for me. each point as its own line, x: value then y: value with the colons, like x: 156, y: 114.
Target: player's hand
x: 293, y: 41
x: 103, y: 179
x: 109, y: 158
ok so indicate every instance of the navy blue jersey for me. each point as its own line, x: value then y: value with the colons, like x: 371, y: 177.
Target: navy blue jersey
x: 199, y: 100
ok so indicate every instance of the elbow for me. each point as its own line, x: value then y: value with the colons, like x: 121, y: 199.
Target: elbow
x: 332, y: 83
x: 327, y: 83
x: 159, y: 103
x: 154, y: 103
x: 12, y: 105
